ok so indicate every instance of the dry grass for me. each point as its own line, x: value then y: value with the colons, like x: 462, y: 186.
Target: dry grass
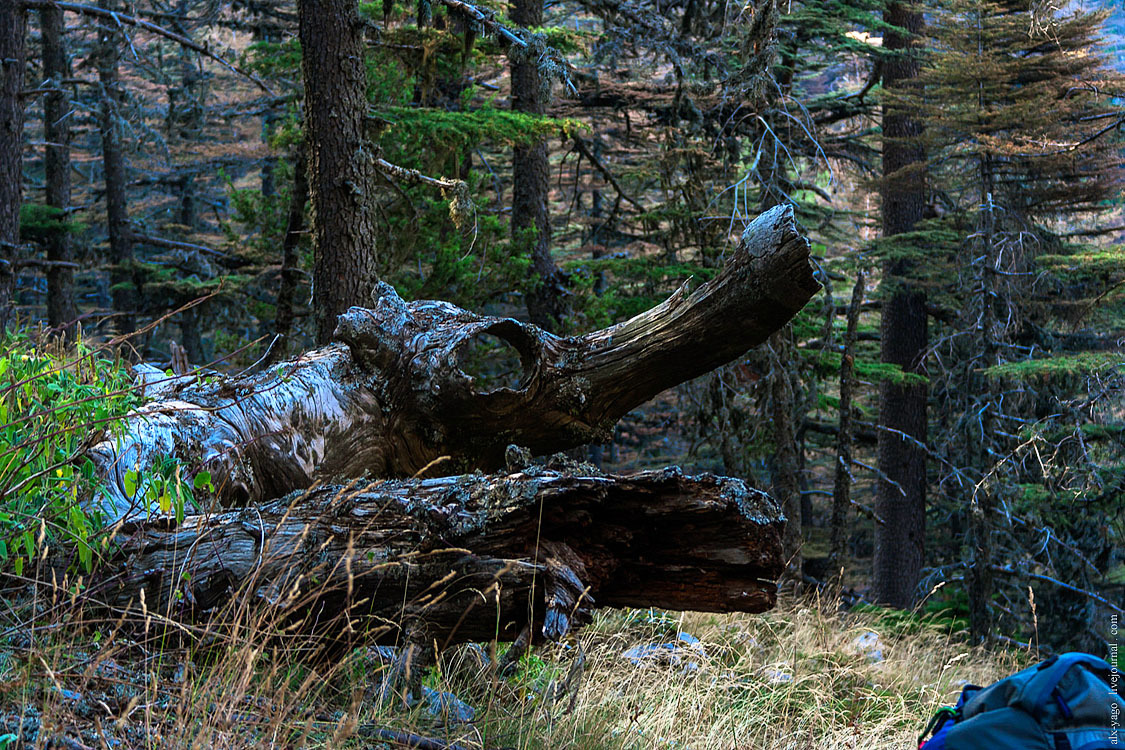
x: 791, y: 678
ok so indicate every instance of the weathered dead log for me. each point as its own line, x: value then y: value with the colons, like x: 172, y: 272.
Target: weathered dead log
x: 455, y: 559
x: 392, y: 397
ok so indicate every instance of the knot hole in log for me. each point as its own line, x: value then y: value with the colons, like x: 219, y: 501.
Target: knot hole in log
x: 497, y: 357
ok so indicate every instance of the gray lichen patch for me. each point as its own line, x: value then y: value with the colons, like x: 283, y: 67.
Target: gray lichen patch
x: 752, y: 504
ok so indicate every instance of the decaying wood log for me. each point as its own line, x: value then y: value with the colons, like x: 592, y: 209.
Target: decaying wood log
x: 454, y: 559
x: 392, y: 396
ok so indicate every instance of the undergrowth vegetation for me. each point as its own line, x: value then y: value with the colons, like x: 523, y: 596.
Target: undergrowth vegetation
x: 55, y: 402
x: 52, y: 402
x: 805, y: 675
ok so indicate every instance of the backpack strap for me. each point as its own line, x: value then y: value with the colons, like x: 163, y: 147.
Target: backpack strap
x: 937, y: 721
x: 1084, y: 739
x: 1053, y: 671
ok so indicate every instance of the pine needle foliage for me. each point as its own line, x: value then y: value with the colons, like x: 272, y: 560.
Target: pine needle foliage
x: 1030, y: 104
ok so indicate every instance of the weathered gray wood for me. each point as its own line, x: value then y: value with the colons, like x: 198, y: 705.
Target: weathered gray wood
x: 455, y: 559
x: 391, y: 397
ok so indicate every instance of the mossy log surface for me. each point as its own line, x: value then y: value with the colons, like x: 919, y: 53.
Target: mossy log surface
x: 465, y: 558
x: 392, y: 398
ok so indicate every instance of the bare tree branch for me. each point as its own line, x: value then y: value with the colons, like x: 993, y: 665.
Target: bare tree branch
x: 121, y: 18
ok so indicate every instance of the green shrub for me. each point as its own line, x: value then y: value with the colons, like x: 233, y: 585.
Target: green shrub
x: 55, y: 403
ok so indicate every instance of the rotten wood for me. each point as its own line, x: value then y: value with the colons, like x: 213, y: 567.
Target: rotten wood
x: 392, y: 397
x: 467, y: 558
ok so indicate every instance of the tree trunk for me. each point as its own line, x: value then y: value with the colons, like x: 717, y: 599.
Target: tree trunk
x: 784, y: 465
x: 263, y: 33
x: 466, y: 558
x: 290, y: 273
x: 13, y: 28
x: 341, y: 169
x: 842, y: 489
x: 61, y: 308
x: 392, y: 399
x: 531, y: 172
x: 113, y: 159
x: 979, y: 577
x: 188, y: 118
x: 901, y: 494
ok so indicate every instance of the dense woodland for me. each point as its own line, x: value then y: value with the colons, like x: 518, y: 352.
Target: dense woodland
x: 198, y: 189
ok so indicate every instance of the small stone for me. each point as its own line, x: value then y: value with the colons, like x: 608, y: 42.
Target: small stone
x: 777, y: 677
x: 869, y: 645
x: 685, y: 653
x: 447, y: 706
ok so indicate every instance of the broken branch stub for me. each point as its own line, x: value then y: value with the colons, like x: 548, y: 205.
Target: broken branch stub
x: 391, y: 396
x: 465, y: 558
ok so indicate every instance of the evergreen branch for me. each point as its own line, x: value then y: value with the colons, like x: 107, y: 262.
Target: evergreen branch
x: 121, y: 18
x: 413, y: 176
x: 461, y: 207
x: 490, y: 24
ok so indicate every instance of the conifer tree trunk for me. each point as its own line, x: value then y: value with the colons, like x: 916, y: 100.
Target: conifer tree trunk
x: 979, y: 574
x: 341, y: 167
x: 901, y: 495
x: 113, y: 158
x: 13, y: 23
x: 531, y: 178
x: 290, y: 274
x: 189, y: 117
x: 61, y: 308
x: 785, y: 465
x: 842, y: 488
x: 263, y: 33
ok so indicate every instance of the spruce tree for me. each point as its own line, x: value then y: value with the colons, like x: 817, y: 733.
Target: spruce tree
x: 1015, y: 108
x: 901, y: 498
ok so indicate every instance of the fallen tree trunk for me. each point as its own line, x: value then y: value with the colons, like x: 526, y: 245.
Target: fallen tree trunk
x: 394, y: 396
x: 454, y: 559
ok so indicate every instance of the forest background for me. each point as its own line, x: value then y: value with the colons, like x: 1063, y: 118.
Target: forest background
x: 943, y: 423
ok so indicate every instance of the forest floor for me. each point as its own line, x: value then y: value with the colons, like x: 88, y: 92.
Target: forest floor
x: 805, y: 675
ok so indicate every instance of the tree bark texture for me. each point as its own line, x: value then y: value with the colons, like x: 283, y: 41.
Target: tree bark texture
x: 290, y: 272
x: 784, y: 466
x: 341, y: 168
x: 842, y: 486
x: 986, y: 403
x: 113, y: 162
x: 901, y: 494
x: 61, y: 308
x: 13, y: 28
x: 531, y: 172
x: 391, y: 397
x: 464, y: 558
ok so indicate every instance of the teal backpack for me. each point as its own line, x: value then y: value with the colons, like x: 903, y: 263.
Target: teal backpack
x: 1068, y: 702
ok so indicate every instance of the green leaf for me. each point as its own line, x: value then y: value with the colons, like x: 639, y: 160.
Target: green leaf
x: 203, y: 479
x: 130, y: 482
